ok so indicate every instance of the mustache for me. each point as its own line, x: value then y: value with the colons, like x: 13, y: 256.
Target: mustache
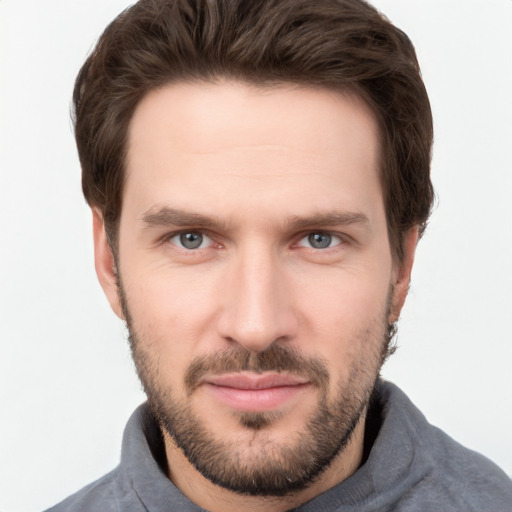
x: 274, y: 359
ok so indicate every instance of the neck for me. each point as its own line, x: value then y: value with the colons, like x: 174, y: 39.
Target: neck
x: 217, y: 499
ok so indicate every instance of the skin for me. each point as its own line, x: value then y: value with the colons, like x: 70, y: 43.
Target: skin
x: 256, y: 170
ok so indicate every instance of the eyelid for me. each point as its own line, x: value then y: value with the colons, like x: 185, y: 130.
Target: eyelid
x: 168, y: 237
x: 342, y: 239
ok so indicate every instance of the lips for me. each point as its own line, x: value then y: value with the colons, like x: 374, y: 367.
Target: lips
x: 254, y: 392
x: 254, y: 381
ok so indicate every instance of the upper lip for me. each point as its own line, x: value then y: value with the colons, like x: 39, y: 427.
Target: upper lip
x: 253, y: 381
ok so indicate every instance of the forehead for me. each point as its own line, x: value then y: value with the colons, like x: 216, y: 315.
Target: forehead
x: 278, y: 148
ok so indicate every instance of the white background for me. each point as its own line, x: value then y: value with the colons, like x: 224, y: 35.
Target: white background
x: 67, y: 384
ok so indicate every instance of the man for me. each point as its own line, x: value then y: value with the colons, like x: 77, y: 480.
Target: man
x: 258, y: 173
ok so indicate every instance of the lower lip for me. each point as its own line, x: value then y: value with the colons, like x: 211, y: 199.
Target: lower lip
x: 256, y: 400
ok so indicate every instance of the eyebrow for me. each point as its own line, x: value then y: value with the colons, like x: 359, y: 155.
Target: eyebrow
x: 174, y: 217
x: 328, y: 219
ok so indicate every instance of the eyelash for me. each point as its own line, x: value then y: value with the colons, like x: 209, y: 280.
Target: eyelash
x: 339, y: 239
x: 331, y: 236
x: 178, y: 234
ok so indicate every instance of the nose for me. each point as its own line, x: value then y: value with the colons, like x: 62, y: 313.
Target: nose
x: 257, y: 302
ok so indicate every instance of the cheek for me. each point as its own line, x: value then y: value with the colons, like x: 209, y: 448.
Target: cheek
x: 344, y: 300
x: 167, y: 297
x: 172, y: 314
x: 346, y: 320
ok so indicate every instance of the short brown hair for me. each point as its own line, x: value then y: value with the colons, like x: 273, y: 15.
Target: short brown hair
x: 344, y: 45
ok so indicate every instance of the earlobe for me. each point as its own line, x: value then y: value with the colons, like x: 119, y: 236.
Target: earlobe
x: 104, y: 263
x: 403, y: 274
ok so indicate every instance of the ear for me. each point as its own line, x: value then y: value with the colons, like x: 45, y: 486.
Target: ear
x: 104, y: 263
x: 402, y: 274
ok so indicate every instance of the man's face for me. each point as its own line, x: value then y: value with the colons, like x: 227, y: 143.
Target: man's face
x: 256, y: 275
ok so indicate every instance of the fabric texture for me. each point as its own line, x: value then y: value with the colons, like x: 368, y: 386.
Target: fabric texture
x: 411, y: 466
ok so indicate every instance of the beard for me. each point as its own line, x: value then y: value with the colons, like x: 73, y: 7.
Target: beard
x: 274, y: 468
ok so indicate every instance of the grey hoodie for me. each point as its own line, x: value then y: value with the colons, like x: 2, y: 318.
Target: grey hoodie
x: 410, y: 466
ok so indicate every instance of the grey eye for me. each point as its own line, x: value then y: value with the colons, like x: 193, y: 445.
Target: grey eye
x: 191, y: 240
x: 320, y: 240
